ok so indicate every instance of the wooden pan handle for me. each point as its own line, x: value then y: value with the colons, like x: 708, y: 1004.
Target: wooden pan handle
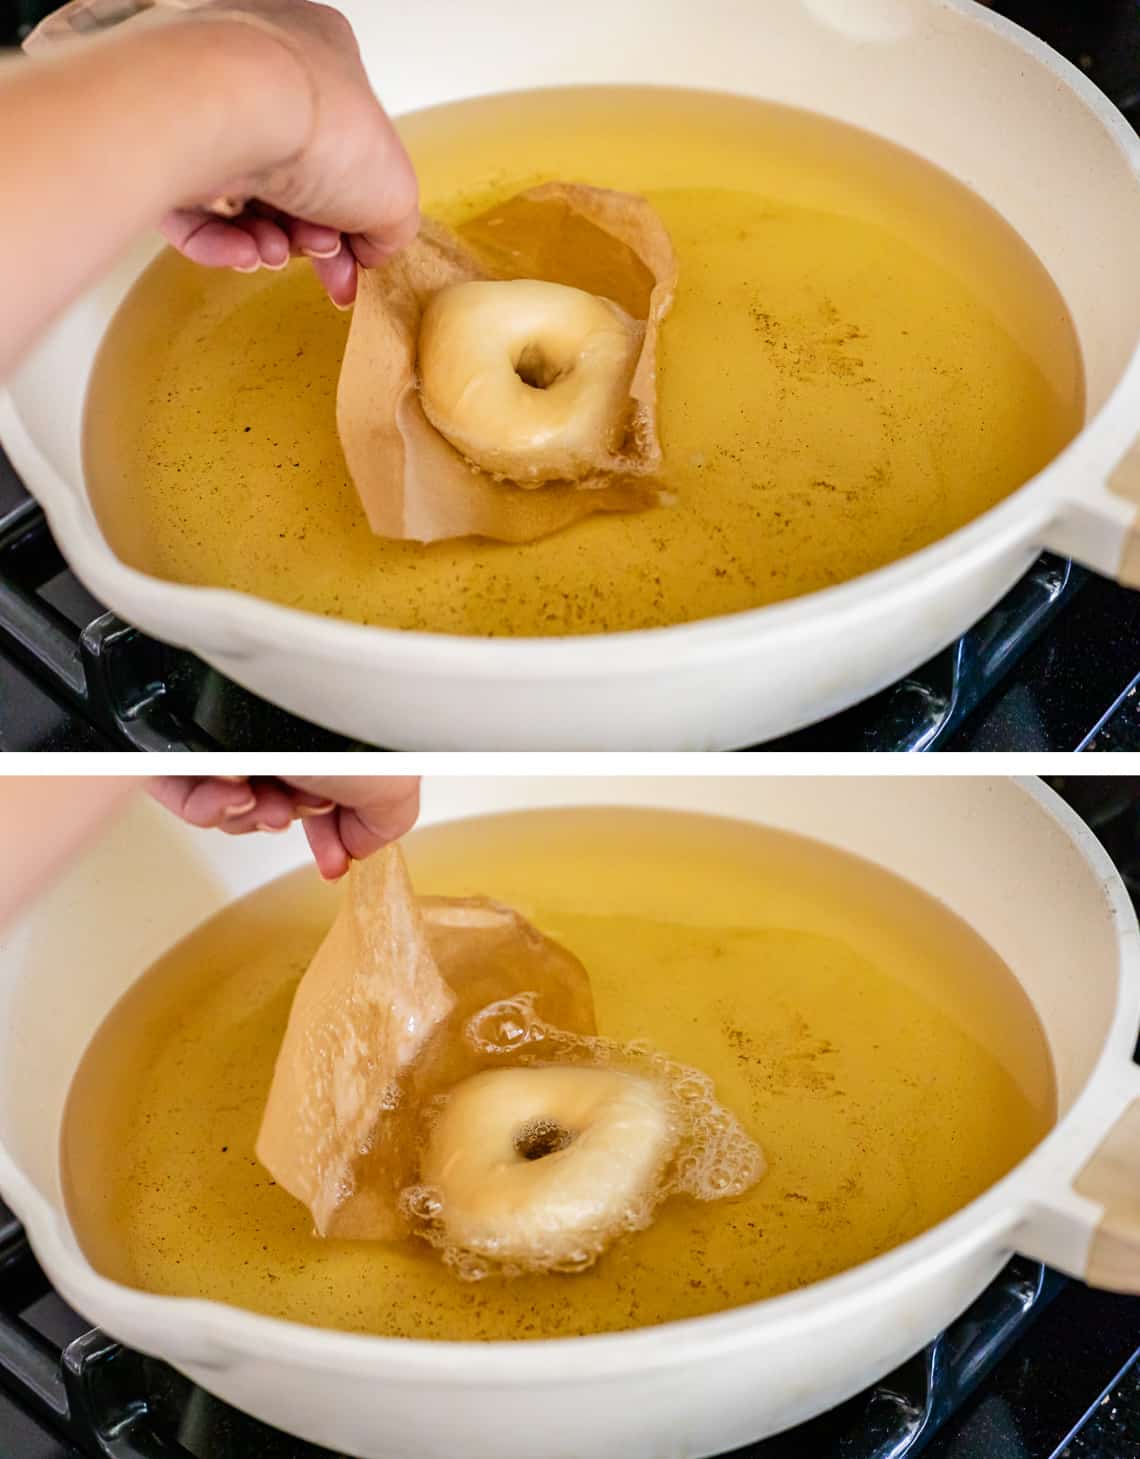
x: 1112, y: 1179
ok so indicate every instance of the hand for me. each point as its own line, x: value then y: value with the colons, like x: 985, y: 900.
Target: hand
x: 348, y: 194
x: 304, y: 160
x: 346, y: 817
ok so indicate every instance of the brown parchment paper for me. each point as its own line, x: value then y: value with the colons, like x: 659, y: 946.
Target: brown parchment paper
x: 411, y: 481
x: 367, y: 1004
x: 376, y: 1029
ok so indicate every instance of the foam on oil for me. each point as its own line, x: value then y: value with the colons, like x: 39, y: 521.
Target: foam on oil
x: 862, y: 357
x: 881, y: 1054
x: 711, y: 1156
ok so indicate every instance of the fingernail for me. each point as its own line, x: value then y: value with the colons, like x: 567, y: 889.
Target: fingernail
x: 247, y: 268
x: 239, y: 810
x: 264, y: 826
x: 276, y: 267
x: 317, y: 810
x: 323, y: 253
x: 344, y: 308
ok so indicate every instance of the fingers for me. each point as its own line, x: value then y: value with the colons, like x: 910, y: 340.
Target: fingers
x: 234, y: 806
x: 345, y: 190
x: 270, y: 239
x: 383, y: 811
x: 358, y: 179
x: 346, y: 818
x: 308, y: 803
x: 352, y: 835
x: 272, y: 810
x: 361, y: 834
x: 211, y: 241
x: 203, y: 802
x: 373, y: 249
x: 313, y: 240
x: 338, y: 276
x: 328, y: 849
x: 388, y: 803
x: 338, y: 273
x: 252, y: 240
x: 374, y: 811
x: 384, y: 817
x: 244, y: 243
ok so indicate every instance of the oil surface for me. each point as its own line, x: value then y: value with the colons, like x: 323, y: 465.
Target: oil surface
x: 880, y: 1052
x: 862, y: 357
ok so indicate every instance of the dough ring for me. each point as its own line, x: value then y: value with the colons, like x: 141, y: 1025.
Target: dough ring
x: 529, y: 380
x: 541, y: 1167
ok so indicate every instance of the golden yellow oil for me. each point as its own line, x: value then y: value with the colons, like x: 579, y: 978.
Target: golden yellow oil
x: 862, y: 357
x: 883, y: 1055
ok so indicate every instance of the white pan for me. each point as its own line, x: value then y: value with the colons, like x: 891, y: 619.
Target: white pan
x: 1007, y: 856
x: 962, y: 87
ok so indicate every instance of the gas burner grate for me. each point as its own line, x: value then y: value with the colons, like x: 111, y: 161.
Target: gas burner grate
x: 144, y: 695
x: 107, y: 1402
x: 924, y: 710
x: 896, y: 1418
x: 138, y: 693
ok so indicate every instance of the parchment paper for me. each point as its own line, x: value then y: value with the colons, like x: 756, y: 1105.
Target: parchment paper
x: 376, y: 1030
x: 412, y: 482
x: 367, y: 1004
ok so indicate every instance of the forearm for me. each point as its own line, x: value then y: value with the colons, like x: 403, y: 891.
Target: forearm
x: 107, y: 135
x: 44, y: 822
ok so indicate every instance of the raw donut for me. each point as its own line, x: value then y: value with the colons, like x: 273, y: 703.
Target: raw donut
x: 543, y: 1166
x: 528, y: 380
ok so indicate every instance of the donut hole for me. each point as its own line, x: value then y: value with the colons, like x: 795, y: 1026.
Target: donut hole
x: 542, y: 1137
x: 535, y: 368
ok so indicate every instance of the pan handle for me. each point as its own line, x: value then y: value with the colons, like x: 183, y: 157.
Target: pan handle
x: 1098, y: 521
x: 1085, y: 1220
x: 1124, y: 484
x: 1111, y: 1178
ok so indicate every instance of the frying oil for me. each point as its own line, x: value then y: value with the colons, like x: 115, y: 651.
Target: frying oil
x: 861, y: 358
x: 884, y: 1057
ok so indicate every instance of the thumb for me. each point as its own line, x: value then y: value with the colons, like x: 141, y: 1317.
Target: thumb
x: 373, y: 809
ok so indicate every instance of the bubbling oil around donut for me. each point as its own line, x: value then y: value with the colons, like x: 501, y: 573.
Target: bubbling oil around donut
x: 710, y: 1156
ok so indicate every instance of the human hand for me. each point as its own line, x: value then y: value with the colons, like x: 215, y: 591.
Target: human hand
x: 346, y: 818
x: 304, y: 160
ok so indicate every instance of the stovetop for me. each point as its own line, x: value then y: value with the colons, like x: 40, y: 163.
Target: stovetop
x: 1056, y: 666
x: 1040, y: 1367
